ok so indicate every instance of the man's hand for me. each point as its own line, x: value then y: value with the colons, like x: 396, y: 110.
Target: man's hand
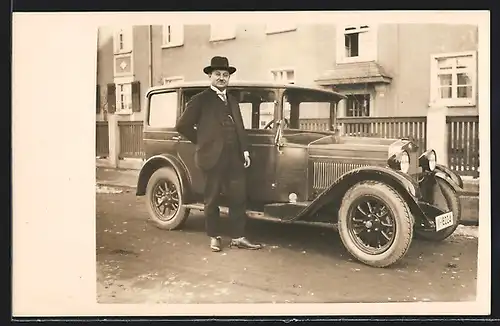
x: 247, y: 159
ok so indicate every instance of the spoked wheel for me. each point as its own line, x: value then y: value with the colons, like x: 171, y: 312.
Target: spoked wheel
x: 375, y: 224
x: 164, y: 200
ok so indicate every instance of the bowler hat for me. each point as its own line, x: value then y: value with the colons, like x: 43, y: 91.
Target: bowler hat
x: 219, y: 63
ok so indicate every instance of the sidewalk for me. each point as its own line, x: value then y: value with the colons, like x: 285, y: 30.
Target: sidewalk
x: 117, y: 177
x: 128, y: 178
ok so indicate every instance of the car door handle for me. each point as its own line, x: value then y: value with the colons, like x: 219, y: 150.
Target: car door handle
x: 176, y: 138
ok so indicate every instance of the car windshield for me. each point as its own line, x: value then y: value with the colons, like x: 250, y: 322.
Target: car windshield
x: 309, y: 109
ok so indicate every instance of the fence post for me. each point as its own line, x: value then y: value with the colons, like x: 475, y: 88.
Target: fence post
x: 114, y: 140
x: 437, y: 133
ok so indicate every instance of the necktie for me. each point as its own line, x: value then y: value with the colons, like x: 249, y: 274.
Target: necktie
x: 223, y: 97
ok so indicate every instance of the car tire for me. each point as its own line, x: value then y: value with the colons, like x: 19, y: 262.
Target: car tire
x: 156, y: 193
x: 356, y: 215
x: 453, y: 202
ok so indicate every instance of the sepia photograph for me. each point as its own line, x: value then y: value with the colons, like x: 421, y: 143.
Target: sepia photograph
x: 287, y: 163
x: 265, y: 164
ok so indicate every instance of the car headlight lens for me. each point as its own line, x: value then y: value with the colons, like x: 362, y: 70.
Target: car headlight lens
x: 428, y: 160
x: 432, y: 160
x: 400, y: 161
x: 405, y: 162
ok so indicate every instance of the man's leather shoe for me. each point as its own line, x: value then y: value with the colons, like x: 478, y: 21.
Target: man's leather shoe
x: 243, y: 243
x: 215, y: 244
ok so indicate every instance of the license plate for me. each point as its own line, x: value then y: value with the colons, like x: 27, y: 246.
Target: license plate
x: 444, y: 220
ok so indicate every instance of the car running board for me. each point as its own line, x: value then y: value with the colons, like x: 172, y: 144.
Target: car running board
x: 265, y: 217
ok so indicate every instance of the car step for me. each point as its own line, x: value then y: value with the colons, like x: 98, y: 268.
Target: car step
x: 261, y: 216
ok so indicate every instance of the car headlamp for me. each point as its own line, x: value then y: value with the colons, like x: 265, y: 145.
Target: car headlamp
x: 400, y: 161
x: 428, y: 160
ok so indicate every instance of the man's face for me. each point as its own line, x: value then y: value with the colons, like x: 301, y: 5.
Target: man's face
x: 219, y: 78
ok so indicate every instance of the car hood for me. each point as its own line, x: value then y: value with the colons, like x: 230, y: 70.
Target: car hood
x: 319, y: 144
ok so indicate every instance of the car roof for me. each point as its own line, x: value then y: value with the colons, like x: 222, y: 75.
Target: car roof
x: 242, y: 83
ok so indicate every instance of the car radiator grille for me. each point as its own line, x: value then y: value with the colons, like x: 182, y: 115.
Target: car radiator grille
x: 324, y: 173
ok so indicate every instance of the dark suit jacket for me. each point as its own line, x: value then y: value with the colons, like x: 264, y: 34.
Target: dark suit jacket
x: 206, y: 111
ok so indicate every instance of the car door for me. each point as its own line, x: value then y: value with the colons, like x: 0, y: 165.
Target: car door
x: 261, y: 175
x: 186, y: 149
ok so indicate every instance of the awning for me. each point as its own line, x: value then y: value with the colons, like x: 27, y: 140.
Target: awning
x: 354, y: 73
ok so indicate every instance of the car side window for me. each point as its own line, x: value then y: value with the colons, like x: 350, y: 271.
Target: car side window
x: 163, y: 110
x: 256, y: 106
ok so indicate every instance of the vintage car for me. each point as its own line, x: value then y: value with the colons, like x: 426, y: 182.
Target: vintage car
x: 378, y: 193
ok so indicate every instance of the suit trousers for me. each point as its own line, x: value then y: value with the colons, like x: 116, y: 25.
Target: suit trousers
x: 228, y: 174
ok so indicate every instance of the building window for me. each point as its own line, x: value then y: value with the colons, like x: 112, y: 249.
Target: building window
x: 357, y: 105
x: 280, y: 27
x: 123, y: 40
x: 220, y: 32
x: 124, y: 97
x: 172, y: 80
x: 356, y: 43
x: 283, y: 75
x: 173, y: 35
x: 453, y: 80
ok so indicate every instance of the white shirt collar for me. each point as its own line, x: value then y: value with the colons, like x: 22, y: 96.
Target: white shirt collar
x: 216, y: 90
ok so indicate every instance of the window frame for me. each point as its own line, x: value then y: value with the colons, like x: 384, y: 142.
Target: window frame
x: 177, y: 112
x: 435, y: 99
x: 365, y: 53
x: 277, y: 28
x: 358, y: 95
x: 282, y: 70
x: 172, y: 42
x: 123, y: 81
x: 120, y: 92
x: 230, y: 36
x: 127, y: 33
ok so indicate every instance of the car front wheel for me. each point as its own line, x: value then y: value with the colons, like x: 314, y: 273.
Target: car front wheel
x: 164, y: 200
x: 375, y: 224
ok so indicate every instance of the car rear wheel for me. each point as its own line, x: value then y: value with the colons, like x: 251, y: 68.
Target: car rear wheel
x: 164, y: 200
x: 375, y: 224
x: 448, y: 201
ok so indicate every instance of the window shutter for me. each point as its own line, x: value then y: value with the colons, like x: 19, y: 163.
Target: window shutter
x: 136, y: 96
x: 111, y: 98
x: 98, y: 98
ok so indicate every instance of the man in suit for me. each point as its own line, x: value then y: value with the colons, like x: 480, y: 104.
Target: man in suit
x: 221, y: 152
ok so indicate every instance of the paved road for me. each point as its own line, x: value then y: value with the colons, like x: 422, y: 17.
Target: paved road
x: 138, y: 263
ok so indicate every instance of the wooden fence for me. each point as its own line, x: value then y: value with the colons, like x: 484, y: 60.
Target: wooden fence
x: 102, y: 139
x: 131, y: 144
x: 463, y: 144
x: 413, y: 128
x: 314, y: 124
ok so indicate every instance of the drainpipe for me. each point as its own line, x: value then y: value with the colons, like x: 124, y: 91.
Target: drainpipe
x: 150, y: 57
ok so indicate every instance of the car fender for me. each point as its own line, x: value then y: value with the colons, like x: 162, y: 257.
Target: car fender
x: 163, y: 160
x: 407, y: 187
x: 450, y: 176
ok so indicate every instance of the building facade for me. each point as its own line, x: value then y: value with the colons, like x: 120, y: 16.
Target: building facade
x: 385, y: 69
